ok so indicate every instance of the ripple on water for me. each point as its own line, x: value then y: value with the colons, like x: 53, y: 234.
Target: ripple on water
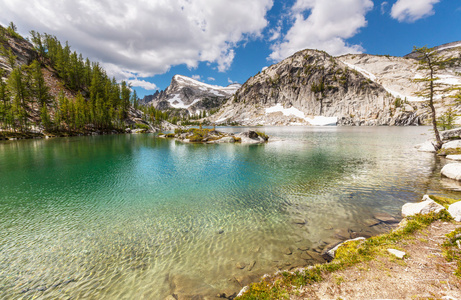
x: 125, y: 217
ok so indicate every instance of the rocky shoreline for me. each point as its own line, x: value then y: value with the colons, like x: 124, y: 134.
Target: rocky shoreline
x: 428, y: 206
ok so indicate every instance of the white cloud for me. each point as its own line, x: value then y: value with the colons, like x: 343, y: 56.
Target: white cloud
x: 197, y: 77
x: 211, y: 79
x: 143, y: 84
x: 327, y: 25
x: 144, y: 37
x: 384, y: 7
x: 412, y: 10
x: 275, y: 33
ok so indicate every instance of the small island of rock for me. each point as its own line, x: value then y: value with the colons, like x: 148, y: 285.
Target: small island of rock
x: 212, y: 136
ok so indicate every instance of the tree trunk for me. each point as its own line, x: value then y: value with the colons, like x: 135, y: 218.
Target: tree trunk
x: 438, y: 144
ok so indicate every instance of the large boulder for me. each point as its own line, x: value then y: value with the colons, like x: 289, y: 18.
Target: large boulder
x: 452, y: 145
x: 455, y: 211
x: 426, y: 206
x: 454, y: 157
x: 329, y: 252
x: 452, y: 171
x: 251, y: 137
x: 451, y: 134
x: 426, y: 147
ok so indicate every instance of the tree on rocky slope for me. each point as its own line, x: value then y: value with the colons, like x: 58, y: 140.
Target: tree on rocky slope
x: 431, y: 63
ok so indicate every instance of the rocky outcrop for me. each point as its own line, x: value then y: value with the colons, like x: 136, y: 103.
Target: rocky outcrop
x: 209, y: 136
x: 452, y: 145
x: 397, y: 75
x: 427, y: 146
x: 189, y: 96
x: 426, y: 206
x: 309, y: 87
x: 452, y: 171
x: 455, y: 211
x: 22, y: 50
x: 451, y: 134
x: 329, y: 252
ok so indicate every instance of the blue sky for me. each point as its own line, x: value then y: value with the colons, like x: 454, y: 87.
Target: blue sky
x: 221, y: 41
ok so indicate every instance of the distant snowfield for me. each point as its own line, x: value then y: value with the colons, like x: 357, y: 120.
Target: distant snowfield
x: 230, y: 90
x: 293, y: 111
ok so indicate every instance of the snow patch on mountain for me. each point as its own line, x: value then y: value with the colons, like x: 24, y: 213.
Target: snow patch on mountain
x: 293, y: 111
x: 187, y: 81
x: 364, y: 72
x: 449, y: 47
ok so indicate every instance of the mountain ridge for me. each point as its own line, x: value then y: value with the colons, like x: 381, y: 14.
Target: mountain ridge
x: 189, y: 96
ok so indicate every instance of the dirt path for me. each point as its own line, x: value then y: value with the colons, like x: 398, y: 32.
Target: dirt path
x: 423, y: 274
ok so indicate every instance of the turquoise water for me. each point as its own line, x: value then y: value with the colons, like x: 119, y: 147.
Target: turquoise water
x: 136, y: 217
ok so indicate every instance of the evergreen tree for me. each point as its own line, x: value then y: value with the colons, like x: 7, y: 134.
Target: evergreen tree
x: 40, y: 91
x: 430, y: 62
x: 45, y: 117
x: 20, y: 96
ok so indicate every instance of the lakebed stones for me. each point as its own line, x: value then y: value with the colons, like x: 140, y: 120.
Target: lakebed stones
x: 385, y: 218
x: 452, y: 171
x: 426, y: 206
x: 455, y: 211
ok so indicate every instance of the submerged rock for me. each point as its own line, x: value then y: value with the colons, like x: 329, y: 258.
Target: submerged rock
x: 452, y: 171
x: 426, y: 206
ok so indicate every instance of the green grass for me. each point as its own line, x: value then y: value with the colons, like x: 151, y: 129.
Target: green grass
x: 279, y: 286
x: 451, y: 151
x: 452, y: 252
x: 443, y: 200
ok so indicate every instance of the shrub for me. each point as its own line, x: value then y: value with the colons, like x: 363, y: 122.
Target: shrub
x: 142, y: 126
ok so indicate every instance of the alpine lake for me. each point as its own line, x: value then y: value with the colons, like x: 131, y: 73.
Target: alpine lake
x: 139, y: 217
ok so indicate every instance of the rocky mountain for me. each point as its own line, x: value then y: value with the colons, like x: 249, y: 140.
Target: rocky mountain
x: 190, y: 96
x: 312, y: 87
x: 397, y: 75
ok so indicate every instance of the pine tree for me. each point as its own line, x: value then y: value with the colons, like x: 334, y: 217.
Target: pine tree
x: 45, y: 117
x: 20, y: 96
x: 12, y: 27
x: 430, y: 62
x: 40, y: 91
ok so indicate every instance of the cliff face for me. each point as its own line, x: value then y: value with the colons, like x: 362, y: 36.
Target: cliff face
x: 21, y: 48
x: 190, y: 96
x: 312, y: 87
x: 397, y: 75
